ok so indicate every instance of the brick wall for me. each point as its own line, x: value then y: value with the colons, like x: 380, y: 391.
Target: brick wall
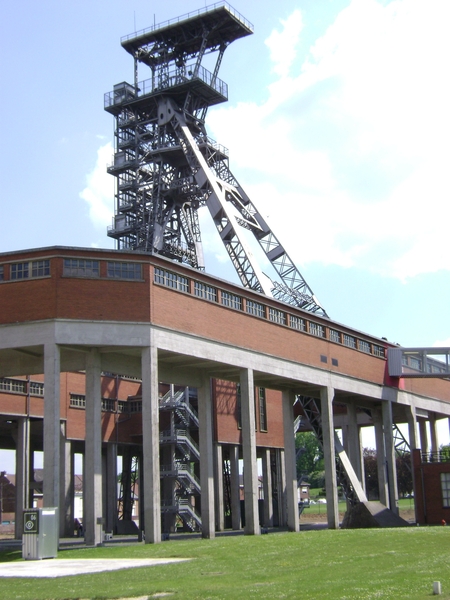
x: 428, y: 491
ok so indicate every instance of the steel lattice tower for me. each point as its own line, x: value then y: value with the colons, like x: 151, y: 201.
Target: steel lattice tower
x: 166, y: 165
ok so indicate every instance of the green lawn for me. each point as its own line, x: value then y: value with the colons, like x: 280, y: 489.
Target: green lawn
x: 344, y: 564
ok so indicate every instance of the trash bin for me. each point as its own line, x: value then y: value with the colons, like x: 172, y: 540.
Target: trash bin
x: 40, y: 533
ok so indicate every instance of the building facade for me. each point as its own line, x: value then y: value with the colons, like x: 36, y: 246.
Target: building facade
x: 113, y: 353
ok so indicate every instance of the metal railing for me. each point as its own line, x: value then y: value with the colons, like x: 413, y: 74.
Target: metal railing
x: 164, y: 81
x: 187, y: 16
x: 441, y: 456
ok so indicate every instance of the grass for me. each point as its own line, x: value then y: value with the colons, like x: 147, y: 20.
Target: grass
x: 318, y: 509
x: 336, y: 565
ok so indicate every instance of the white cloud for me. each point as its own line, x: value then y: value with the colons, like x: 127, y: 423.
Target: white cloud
x: 282, y: 45
x: 349, y: 154
x: 99, y: 192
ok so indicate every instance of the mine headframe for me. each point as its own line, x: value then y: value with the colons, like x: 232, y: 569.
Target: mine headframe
x: 166, y: 166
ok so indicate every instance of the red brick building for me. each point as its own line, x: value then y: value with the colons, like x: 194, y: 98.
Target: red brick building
x: 432, y: 487
x: 131, y: 346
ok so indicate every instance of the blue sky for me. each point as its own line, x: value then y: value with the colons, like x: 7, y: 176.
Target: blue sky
x: 337, y: 126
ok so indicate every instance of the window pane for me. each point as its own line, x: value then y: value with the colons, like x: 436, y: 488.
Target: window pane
x: 79, y: 267
x: 231, y: 300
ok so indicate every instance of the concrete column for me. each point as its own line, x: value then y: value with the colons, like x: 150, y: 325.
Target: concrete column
x: 205, y: 432
x: 111, y: 487
x: 235, y: 489
x: 267, y: 483
x: 413, y: 445
x: 218, y: 479
x: 354, y: 444
x: 281, y: 488
x: 423, y: 435
x: 22, y: 472
x: 381, y: 457
x: 412, y: 428
x: 66, y: 512
x: 326, y: 401
x: 290, y: 462
x: 390, y: 455
x: 93, y: 506
x: 51, y: 424
x: 249, y: 453
x: 433, y: 434
x: 150, y: 444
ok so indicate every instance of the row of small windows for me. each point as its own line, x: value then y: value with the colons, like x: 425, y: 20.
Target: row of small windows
x: 80, y: 267
x: 27, y: 270
x: 108, y: 404
x: 19, y: 386
x: 431, y: 365
x: 172, y: 280
x: 256, y: 309
x: 73, y: 267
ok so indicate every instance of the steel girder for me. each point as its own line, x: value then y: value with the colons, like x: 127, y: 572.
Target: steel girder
x: 167, y: 167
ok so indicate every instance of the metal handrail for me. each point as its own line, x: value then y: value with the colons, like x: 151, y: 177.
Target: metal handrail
x: 187, y: 16
x: 171, y: 79
x: 435, y: 457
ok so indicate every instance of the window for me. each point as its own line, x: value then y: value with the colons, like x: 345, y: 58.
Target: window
x: 262, y: 409
x: 135, y: 406
x: 18, y: 386
x: 77, y: 401
x: 79, y: 267
x: 364, y: 346
x: 277, y: 316
x: 378, y: 351
x: 172, y: 280
x: 335, y: 336
x: 297, y: 323
x: 231, y: 300
x: 25, y: 270
x: 122, y: 270
x: 2, y: 273
x: 108, y: 405
x: 316, y: 329
x: 445, y: 486
x: 254, y: 308
x: 36, y: 388
x: 130, y: 406
x: 205, y: 291
x: 349, y: 340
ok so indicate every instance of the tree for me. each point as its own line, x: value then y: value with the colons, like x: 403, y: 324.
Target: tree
x: 404, y: 474
x: 309, y: 455
x: 371, y: 473
x: 444, y: 451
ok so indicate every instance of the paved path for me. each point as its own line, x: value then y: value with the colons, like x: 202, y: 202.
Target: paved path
x: 60, y: 567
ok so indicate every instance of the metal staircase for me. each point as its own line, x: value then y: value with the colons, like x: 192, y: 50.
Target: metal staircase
x: 184, y: 454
